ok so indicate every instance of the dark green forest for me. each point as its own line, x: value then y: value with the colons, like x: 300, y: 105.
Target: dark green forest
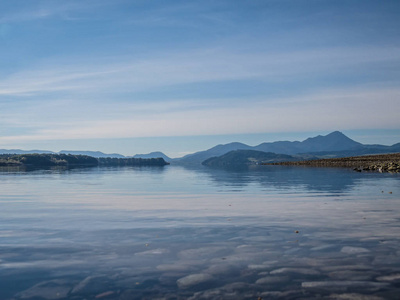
x: 246, y: 157
x: 69, y: 160
x: 112, y: 161
x: 46, y: 160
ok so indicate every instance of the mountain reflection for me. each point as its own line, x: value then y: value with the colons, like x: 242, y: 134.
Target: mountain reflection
x: 331, y: 180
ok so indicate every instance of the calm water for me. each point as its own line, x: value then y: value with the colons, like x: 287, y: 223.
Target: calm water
x: 175, y: 233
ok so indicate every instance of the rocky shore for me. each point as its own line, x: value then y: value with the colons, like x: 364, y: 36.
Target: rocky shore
x: 379, y: 163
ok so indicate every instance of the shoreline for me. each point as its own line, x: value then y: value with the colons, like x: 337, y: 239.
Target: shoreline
x: 379, y: 163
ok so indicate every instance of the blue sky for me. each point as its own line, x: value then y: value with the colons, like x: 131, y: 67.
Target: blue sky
x: 133, y: 77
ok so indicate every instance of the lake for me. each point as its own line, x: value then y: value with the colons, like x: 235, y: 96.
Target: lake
x: 263, y: 232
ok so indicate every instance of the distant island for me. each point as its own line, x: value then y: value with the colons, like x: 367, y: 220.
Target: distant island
x: 69, y: 160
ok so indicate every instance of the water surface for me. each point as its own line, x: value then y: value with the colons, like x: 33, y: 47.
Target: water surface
x: 273, y: 232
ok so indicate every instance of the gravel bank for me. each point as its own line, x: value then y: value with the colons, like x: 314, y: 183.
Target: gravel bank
x: 380, y: 163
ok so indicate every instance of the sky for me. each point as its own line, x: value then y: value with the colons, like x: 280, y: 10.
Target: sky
x: 136, y: 76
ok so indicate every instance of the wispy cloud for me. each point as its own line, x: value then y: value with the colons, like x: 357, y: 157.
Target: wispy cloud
x: 104, y: 69
x: 197, y: 66
x: 41, y: 10
x: 339, y: 109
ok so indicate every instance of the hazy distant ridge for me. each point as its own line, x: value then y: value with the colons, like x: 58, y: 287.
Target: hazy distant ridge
x: 96, y: 154
x: 18, y: 151
x: 335, y: 144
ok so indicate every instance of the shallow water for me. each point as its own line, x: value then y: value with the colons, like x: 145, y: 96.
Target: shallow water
x: 175, y: 233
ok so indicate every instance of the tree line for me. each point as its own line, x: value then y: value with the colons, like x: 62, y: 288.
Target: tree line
x: 49, y: 160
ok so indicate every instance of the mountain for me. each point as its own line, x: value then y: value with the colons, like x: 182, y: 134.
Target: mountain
x: 18, y: 151
x: 364, y: 150
x: 96, y: 154
x: 156, y: 154
x: 335, y: 144
x: 246, y: 157
x: 335, y: 141
x: 199, y: 157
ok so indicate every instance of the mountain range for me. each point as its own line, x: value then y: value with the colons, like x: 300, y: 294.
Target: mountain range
x: 96, y: 154
x: 335, y: 144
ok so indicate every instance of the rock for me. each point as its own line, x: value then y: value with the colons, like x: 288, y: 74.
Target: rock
x: 222, y: 269
x: 393, y: 277
x: 354, y: 250
x: 193, y: 279
x: 272, y: 279
x: 105, y: 294
x: 291, y: 294
x: 237, y: 286
x: 49, y: 290
x: 153, y: 252
x: 258, y: 267
x: 322, y: 247
x: 303, y: 271
x: 174, y: 267
x: 335, y: 285
x: 353, y: 296
x: 201, y: 252
x: 81, y: 286
x: 352, y: 275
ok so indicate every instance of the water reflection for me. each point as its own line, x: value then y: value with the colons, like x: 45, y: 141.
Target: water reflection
x: 178, y: 233
x: 334, y: 180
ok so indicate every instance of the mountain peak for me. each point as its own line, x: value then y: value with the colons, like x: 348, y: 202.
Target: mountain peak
x: 334, y: 141
x: 337, y: 134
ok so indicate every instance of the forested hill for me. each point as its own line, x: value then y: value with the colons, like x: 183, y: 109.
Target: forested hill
x: 46, y: 160
x: 246, y: 157
x: 112, y: 161
x: 68, y: 160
